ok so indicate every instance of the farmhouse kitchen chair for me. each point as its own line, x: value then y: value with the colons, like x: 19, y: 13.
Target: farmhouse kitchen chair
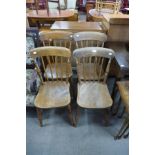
x: 93, y: 92
x: 89, y: 38
x: 56, y: 38
x: 53, y: 92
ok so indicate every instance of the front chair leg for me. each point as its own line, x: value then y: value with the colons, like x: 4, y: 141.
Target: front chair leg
x: 70, y: 115
x: 39, y: 113
x: 77, y: 114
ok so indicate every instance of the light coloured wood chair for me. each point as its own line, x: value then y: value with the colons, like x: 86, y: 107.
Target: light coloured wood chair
x: 93, y: 92
x: 89, y: 38
x: 102, y: 4
x: 53, y: 92
x: 56, y: 38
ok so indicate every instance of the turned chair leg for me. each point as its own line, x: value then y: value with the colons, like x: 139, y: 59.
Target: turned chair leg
x: 39, y: 113
x: 77, y: 114
x: 70, y: 116
x: 106, y: 116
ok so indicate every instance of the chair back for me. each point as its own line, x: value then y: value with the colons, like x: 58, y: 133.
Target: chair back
x: 88, y: 39
x: 93, y: 63
x: 54, y: 61
x: 56, y: 38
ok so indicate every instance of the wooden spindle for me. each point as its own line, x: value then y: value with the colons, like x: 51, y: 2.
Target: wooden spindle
x: 56, y: 68
x: 107, y: 71
x: 44, y: 68
x: 95, y: 67
x: 61, y: 66
x: 44, y: 43
x: 83, y: 64
x: 101, y: 65
x: 49, y: 62
x: 90, y: 68
x: 38, y: 71
x: 78, y: 64
x: 81, y: 42
x: 77, y: 46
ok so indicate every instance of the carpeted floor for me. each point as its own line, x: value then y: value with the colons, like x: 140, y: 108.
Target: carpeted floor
x: 58, y: 137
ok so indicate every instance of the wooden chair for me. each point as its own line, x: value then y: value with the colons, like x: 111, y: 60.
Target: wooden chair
x: 53, y: 92
x: 56, y: 38
x: 88, y: 38
x: 93, y: 92
x: 102, y: 4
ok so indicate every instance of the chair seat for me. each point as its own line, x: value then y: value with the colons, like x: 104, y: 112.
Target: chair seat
x: 53, y: 94
x: 61, y: 71
x: 93, y: 95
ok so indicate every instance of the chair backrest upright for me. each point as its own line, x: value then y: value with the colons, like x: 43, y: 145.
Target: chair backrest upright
x: 56, y: 38
x: 97, y: 58
x: 56, y: 58
x: 88, y: 39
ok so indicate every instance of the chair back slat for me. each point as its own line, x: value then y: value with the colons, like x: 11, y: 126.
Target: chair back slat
x: 95, y: 63
x: 55, y: 63
x: 56, y: 38
x: 89, y: 39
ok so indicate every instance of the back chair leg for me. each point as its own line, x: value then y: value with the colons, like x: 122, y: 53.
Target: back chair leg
x: 39, y: 113
x: 77, y: 114
x: 116, y: 107
x: 70, y: 115
x: 106, y: 116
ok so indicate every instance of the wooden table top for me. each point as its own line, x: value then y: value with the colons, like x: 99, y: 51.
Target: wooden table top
x: 76, y: 26
x: 54, y: 13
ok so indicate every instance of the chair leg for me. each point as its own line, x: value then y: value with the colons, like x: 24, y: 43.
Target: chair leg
x: 106, y: 116
x: 115, y: 108
x: 126, y: 135
x: 77, y: 114
x: 121, y: 115
x: 39, y: 113
x: 70, y: 116
x: 125, y: 129
x: 122, y: 130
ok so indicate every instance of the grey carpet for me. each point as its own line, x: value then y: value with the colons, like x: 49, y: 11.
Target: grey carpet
x: 58, y: 137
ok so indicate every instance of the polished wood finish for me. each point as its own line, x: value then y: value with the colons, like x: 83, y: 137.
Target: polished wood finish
x: 93, y: 63
x: 76, y: 26
x: 49, y: 16
x: 89, y: 38
x: 92, y: 92
x: 54, y: 92
x: 54, y: 13
x: 57, y: 38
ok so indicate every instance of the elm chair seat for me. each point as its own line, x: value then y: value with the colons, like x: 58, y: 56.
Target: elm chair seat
x: 53, y: 94
x: 93, y: 95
